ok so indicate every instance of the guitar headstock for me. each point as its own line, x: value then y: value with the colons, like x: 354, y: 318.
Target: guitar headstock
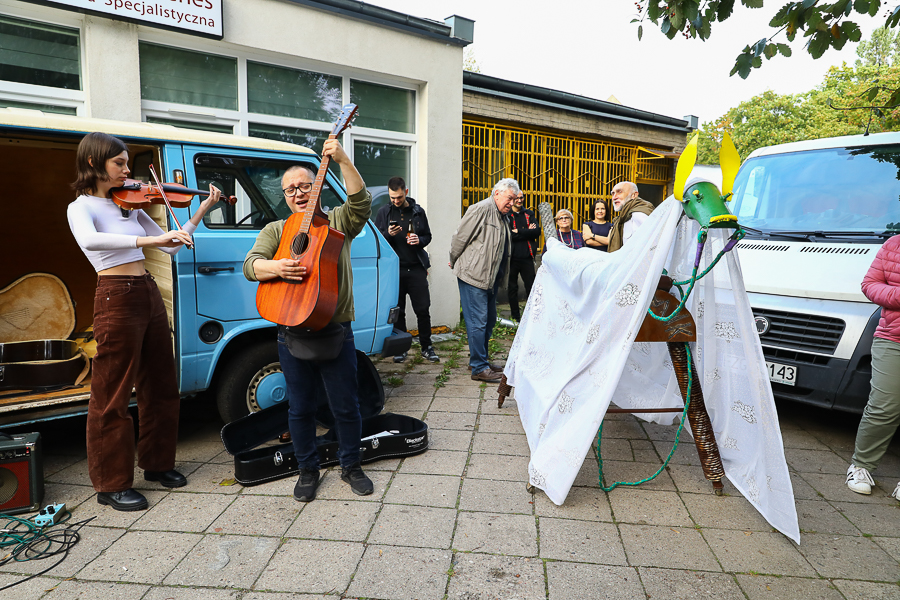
x: 345, y: 119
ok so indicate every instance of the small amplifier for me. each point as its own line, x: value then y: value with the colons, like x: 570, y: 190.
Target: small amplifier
x: 21, y: 473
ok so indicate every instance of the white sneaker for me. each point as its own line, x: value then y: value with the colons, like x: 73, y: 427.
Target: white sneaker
x: 896, y: 492
x: 859, y: 480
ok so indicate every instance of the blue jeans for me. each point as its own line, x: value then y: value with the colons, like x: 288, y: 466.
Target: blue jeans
x: 480, y: 312
x: 339, y: 379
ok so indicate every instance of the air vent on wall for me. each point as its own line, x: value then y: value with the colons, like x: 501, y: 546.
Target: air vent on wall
x: 832, y: 250
x: 746, y: 246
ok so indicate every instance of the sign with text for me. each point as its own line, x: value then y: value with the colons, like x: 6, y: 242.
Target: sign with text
x: 202, y: 17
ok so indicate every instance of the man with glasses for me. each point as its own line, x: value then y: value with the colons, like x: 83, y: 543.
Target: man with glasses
x: 338, y: 375
x: 524, y: 236
x: 479, y: 256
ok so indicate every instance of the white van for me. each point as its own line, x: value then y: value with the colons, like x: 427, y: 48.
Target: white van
x: 817, y: 212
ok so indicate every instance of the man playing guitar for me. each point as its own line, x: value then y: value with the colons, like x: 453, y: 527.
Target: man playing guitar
x: 339, y: 374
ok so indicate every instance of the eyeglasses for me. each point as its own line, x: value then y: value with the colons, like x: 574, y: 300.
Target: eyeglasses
x: 303, y: 188
x: 564, y: 218
x: 520, y: 198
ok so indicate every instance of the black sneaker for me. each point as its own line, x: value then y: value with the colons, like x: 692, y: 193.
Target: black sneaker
x: 359, y: 483
x: 429, y: 355
x: 400, y: 358
x: 305, y: 490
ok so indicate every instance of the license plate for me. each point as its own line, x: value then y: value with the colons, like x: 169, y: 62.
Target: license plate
x: 779, y: 373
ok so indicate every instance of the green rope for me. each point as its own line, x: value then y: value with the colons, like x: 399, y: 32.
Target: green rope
x: 665, y: 464
x: 701, y: 239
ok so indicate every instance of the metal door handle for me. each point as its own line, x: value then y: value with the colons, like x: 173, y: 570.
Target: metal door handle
x: 208, y: 270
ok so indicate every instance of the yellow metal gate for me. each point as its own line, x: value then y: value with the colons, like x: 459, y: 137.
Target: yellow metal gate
x: 566, y: 171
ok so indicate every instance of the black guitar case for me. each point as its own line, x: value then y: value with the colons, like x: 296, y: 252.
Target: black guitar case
x: 383, y: 435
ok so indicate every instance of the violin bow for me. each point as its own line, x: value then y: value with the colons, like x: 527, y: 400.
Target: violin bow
x: 162, y: 193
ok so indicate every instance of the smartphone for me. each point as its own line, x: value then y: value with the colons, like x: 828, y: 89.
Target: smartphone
x: 394, y: 223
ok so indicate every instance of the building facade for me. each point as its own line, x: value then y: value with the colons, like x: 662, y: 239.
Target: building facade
x: 564, y: 149
x: 277, y: 69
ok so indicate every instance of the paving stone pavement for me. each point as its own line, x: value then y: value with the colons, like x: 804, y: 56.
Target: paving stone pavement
x: 457, y: 523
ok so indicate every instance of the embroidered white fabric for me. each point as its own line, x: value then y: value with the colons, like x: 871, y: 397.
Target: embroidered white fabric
x: 574, y: 353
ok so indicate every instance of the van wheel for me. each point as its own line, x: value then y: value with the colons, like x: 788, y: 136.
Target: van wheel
x: 250, y: 382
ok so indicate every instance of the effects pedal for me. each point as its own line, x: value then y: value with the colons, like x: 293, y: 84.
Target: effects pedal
x: 50, y: 515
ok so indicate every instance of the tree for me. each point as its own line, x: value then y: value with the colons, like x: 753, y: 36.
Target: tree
x: 883, y: 49
x: 850, y: 100
x: 469, y: 62
x: 824, y: 24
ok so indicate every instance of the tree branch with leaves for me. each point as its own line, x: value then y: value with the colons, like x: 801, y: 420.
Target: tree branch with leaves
x: 822, y: 24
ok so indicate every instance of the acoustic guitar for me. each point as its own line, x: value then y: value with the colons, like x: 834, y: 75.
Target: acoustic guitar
x: 308, y: 238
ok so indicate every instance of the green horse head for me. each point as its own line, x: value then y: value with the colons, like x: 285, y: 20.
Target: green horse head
x: 702, y: 201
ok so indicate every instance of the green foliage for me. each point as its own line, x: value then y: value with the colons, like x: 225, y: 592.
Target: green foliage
x: 821, y: 24
x: 882, y: 49
x: 824, y: 111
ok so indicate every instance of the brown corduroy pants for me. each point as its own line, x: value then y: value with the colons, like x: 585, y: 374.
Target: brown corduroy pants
x: 134, y: 350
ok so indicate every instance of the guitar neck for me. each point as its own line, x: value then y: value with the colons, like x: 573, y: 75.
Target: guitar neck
x: 313, y: 206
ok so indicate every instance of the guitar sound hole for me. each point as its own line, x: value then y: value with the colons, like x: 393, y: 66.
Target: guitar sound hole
x: 299, y: 245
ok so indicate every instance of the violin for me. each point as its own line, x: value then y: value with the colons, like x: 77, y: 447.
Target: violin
x: 136, y: 194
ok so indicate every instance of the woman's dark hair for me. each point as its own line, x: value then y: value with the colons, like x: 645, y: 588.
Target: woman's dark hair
x: 594, y: 209
x: 94, y: 148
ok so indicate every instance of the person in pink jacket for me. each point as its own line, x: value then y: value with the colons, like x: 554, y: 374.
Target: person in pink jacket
x: 881, y: 285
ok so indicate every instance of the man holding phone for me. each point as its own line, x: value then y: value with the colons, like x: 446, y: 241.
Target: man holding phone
x: 404, y: 224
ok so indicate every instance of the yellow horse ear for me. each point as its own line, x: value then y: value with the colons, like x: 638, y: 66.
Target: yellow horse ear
x: 730, y: 161
x: 685, y: 166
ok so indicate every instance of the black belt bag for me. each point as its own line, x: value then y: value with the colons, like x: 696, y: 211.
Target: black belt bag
x: 324, y: 344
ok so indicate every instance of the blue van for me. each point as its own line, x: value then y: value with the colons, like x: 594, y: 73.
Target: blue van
x: 221, y: 343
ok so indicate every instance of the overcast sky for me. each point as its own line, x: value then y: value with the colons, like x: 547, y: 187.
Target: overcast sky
x: 589, y: 47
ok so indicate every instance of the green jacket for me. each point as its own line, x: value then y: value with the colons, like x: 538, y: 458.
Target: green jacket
x: 349, y: 219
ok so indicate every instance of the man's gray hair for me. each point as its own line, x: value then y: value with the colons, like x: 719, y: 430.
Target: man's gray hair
x: 507, y: 183
x: 634, y: 187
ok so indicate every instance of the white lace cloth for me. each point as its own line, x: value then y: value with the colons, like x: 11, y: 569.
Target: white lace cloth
x: 574, y: 353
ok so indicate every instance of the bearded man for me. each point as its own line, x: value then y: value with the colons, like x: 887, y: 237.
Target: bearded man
x: 632, y: 212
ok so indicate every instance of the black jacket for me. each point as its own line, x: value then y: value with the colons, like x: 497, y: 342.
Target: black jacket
x: 420, y: 225
x: 524, y: 242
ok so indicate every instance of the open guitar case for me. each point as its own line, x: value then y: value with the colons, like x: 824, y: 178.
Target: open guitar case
x: 37, y: 315
x: 385, y: 435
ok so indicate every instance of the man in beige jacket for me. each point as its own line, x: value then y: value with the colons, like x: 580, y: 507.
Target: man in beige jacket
x: 479, y: 256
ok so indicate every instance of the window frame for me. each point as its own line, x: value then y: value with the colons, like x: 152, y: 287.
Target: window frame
x: 241, y: 118
x: 39, y: 94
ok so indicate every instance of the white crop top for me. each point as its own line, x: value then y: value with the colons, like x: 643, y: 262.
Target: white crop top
x: 108, y: 238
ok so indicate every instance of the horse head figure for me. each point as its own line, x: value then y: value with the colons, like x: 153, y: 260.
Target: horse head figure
x: 702, y: 200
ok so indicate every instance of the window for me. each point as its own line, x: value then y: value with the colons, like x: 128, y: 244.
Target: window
x: 39, y: 54
x: 187, y: 77
x: 837, y: 189
x: 383, y: 107
x: 47, y: 108
x: 377, y: 163
x: 311, y: 138
x: 245, y: 95
x: 256, y: 184
x: 293, y: 93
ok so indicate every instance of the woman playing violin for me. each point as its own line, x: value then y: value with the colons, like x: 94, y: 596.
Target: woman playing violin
x: 134, y: 346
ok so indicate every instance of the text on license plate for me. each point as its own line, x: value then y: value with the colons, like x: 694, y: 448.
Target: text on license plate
x: 779, y: 373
